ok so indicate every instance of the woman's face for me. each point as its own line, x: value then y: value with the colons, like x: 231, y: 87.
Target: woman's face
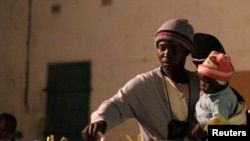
x: 171, y: 55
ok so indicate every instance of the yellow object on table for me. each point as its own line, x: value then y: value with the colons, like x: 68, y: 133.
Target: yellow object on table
x: 47, y: 139
x: 50, y: 138
x: 139, y: 137
x: 129, y: 138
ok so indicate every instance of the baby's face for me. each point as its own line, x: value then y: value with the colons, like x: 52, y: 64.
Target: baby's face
x: 209, y: 85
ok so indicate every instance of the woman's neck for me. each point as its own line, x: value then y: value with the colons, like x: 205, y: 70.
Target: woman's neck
x: 178, y: 76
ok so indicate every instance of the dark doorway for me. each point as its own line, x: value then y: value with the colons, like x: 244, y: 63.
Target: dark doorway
x: 68, y: 92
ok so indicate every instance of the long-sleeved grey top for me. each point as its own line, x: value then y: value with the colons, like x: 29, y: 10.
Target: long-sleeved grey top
x: 144, y: 98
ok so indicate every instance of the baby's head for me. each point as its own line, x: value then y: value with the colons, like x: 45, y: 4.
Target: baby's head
x: 216, y: 71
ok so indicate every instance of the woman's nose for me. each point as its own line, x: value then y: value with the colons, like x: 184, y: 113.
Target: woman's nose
x: 166, y: 52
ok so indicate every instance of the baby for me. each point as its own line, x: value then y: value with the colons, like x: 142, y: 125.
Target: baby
x: 217, y: 103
